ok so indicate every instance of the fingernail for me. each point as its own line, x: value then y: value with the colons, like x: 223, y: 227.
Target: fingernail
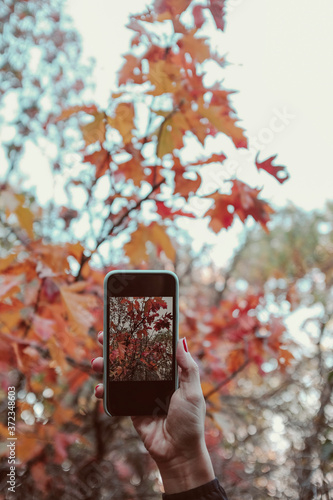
x: 101, y: 331
x: 185, y: 344
x: 92, y: 360
x: 97, y: 386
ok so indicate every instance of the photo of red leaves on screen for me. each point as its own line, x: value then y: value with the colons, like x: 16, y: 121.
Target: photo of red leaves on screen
x: 140, y: 346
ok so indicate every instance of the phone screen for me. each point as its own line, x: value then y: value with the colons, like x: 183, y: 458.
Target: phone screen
x: 140, y: 337
x: 140, y: 345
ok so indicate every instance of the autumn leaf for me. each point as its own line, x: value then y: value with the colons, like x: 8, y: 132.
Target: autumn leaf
x: 44, y: 327
x: 25, y: 218
x: 214, y: 158
x: 130, y: 170
x: 101, y: 160
x: 198, y: 16
x: 236, y: 359
x: 94, y: 131
x: 9, y: 285
x: 175, y: 7
x: 165, y: 76
x: 130, y: 72
x: 123, y: 120
x: 279, y: 172
x: 218, y: 112
x: 12, y: 202
x: 78, y: 306
x: 243, y: 201
x: 168, y: 213
x: 220, y: 214
x: 217, y: 10
x: 185, y: 185
x: 196, y: 47
x: 214, y: 398
x: 121, y: 350
x: 7, y: 261
x: 57, y: 355
x: 73, y: 110
x: 136, y: 250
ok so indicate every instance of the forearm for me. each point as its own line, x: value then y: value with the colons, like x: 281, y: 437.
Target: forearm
x: 185, y: 473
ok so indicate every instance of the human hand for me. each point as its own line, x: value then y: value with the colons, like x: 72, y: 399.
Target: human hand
x: 176, y: 441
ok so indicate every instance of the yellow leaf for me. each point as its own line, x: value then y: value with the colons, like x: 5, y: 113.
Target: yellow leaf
x: 165, y: 77
x: 171, y: 134
x: 94, y: 131
x: 123, y: 121
x: 25, y: 218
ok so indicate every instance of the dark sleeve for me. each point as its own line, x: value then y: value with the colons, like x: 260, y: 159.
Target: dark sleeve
x: 209, y: 491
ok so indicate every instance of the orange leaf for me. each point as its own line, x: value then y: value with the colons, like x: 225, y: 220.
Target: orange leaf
x: 101, y: 160
x: 165, y: 76
x: 28, y: 446
x: 6, y: 262
x: 135, y: 249
x: 123, y: 121
x: 9, y: 285
x: 57, y: 354
x: 219, y: 116
x: 78, y: 306
x: 185, y: 186
x: 214, y: 398
x: 73, y: 110
x: 94, y: 131
x: 196, y: 47
x: 130, y: 170
x: 25, y: 218
x: 126, y: 74
x: 235, y: 360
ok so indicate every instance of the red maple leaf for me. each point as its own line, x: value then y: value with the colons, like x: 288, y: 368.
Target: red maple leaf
x: 273, y: 170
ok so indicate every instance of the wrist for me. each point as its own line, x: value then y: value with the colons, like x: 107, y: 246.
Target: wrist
x: 187, y: 471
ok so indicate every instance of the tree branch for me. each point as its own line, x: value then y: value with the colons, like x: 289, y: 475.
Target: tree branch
x: 227, y: 380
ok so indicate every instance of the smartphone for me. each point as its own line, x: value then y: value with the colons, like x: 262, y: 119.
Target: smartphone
x: 140, y: 340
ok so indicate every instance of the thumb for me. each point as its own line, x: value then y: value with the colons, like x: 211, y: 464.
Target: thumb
x: 189, y: 376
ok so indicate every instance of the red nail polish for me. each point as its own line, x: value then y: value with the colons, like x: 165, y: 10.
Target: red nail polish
x: 101, y: 331
x: 92, y: 360
x: 185, y: 344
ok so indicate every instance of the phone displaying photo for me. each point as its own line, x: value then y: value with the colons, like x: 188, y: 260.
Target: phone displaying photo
x: 140, y: 339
